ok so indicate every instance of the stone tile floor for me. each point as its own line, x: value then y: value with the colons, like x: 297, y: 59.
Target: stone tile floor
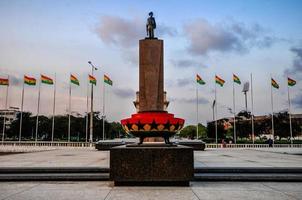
x: 106, y: 190
x: 81, y: 157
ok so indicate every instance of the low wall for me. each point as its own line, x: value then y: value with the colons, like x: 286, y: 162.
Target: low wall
x: 86, y: 144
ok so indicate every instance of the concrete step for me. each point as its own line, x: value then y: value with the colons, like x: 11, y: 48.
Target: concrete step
x: 32, y: 170
x: 102, y: 174
x: 55, y: 177
x: 257, y: 170
x: 284, y: 177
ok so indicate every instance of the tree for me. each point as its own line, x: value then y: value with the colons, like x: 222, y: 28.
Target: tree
x: 221, y: 132
x: 190, y: 131
x: 28, y: 126
x: 281, y: 125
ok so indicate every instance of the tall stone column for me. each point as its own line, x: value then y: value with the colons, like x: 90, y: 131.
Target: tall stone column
x: 151, y: 75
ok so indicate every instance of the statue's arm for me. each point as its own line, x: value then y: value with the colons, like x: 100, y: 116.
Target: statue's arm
x: 154, y: 24
x: 147, y: 28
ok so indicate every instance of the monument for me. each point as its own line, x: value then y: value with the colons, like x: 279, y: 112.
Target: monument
x: 151, y: 163
x: 152, y: 119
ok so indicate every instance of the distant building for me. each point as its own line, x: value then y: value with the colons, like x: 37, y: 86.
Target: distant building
x: 9, y: 114
x: 229, y: 122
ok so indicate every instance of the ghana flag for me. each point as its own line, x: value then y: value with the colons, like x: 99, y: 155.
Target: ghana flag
x: 236, y: 79
x: 4, y: 81
x: 291, y: 82
x: 92, y: 80
x: 199, y: 80
x: 29, y: 80
x: 219, y: 80
x: 107, y: 80
x: 74, y: 80
x: 275, y: 84
x: 46, y: 80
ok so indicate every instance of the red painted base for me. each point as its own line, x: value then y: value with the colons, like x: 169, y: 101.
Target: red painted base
x: 152, y: 124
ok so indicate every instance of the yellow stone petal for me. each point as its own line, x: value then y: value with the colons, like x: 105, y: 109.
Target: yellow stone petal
x: 172, y: 127
x: 160, y: 127
x: 134, y: 127
x: 126, y: 128
x: 147, y: 127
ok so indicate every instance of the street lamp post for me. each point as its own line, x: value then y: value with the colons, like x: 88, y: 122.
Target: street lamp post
x: 91, y: 105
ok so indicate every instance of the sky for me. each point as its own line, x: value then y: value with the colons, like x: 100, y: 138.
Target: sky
x: 58, y: 38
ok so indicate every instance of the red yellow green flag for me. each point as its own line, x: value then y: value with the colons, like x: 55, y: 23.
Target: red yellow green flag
x: 199, y: 80
x: 291, y: 82
x: 275, y: 84
x: 92, y: 79
x: 4, y: 81
x: 46, y: 80
x: 107, y: 80
x: 74, y: 80
x: 219, y: 80
x: 29, y: 80
x: 236, y: 79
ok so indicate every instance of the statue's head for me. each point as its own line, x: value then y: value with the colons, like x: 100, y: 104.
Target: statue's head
x: 150, y: 14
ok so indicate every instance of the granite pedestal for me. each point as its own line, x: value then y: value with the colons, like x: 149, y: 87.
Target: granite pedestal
x: 151, y: 165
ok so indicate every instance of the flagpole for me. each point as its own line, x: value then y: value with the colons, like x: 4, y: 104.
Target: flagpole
x: 272, y: 103
x: 87, y: 107
x: 216, y: 134
x: 4, y: 119
x: 197, y: 110
x: 290, y: 119
x: 38, y: 109
x: 252, y: 102
x: 21, y: 113
x: 234, y: 112
x: 103, y: 110
x: 69, y: 113
x: 53, y: 109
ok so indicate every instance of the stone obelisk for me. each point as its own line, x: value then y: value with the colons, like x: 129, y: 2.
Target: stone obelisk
x: 151, y: 75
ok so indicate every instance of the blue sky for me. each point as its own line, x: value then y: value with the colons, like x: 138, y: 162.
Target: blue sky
x: 204, y: 37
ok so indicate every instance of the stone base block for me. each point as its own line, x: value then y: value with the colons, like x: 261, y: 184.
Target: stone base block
x: 151, y: 165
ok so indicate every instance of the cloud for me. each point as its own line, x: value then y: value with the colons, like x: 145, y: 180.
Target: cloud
x: 205, y: 37
x: 14, y: 80
x: 181, y: 82
x: 184, y: 63
x: 122, y: 32
x: 201, y: 100
x: 124, y: 92
x: 130, y: 56
x: 297, y: 62
x: 297, y: 101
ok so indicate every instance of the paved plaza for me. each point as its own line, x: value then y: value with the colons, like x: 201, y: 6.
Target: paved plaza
x: 81, y: 157
x: 89, y: 157
x: 105, y: 190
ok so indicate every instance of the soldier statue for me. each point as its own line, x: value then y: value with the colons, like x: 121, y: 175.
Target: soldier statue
x: 150, y: 26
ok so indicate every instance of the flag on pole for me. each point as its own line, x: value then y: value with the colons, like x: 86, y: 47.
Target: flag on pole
x: 107, y: 80
x: 92, y: 79
x: 219, y: 81
x: 275, y: 84
x: 199, y: 80
x: 4, y: 81
x: 74, y: 80
x: 236, y: 79
x: 291, y: 82
x: 29, y: 80
x: 46, y: 80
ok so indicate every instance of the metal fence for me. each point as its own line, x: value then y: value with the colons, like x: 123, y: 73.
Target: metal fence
x: 87, y: 144
x: 246, y: 146
x: 49, y: 144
